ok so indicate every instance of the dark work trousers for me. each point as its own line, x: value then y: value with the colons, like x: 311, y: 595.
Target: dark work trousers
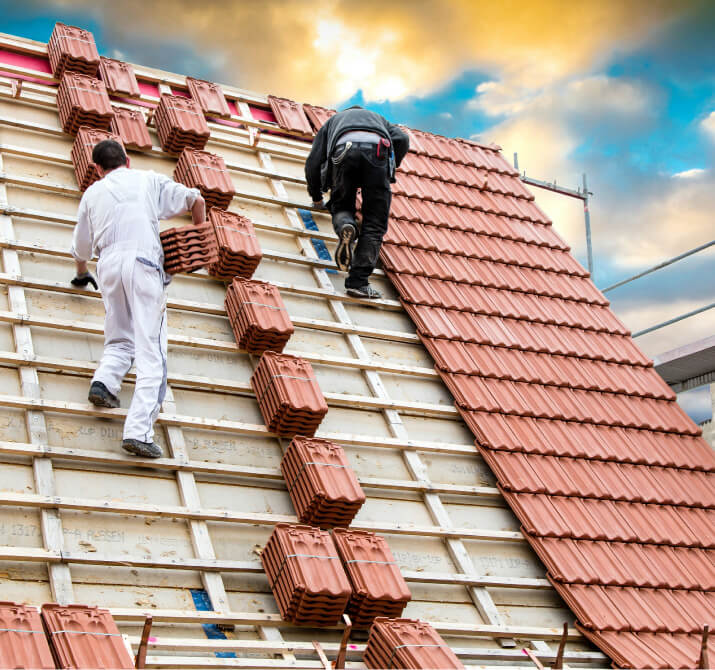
x: 360, y: 167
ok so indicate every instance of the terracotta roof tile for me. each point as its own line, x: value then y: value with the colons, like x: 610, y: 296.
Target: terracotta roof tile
x: 85, y: 170
x: 290, y: 115
x: 208, y: 173
x: 209, y: 96
x: 306, y: 575
x: 238, y: 248
x: 379, y: 590
x: 180, y: 123
x: 407, y: 643
x: 85, y: 637
x: 130, y: 125
x: 20, y: 649
x: 650, y: 650
x: 258, y: 317
x: 72, y: 49
x: 288, y: 394
x: 322, y: 485
x: 118, y: 77
x: 82, y: 101
x: 317, y: 115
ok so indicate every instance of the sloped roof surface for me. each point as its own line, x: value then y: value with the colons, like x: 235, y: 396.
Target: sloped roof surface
x: 609, y: 477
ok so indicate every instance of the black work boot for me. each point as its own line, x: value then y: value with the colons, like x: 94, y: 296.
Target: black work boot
x: 100, y: 396
x: 366, y: 291
x: 144, y: 449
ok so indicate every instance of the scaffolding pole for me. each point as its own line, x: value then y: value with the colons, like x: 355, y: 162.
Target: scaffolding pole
x: 687, y: 315
x: 660, y: 265
x: 581, y: 194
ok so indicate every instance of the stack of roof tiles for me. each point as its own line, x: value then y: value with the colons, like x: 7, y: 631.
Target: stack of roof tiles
x: 82, y: 101
x: 180, y: 123
x: 288, y: 394
x: 118, y: 77
x: 208, y: 173
x: 85, y: 170
x: 379, y: 589
x: 72, y: 49
x: 209, y: 96
x: 238, y: 248
x: 290, y: 115
x: 322, y: 485
x: 22, y: 639
x: 407, y: 643
x: 258, y: 316
x: 305, y: 575
x: 609, y: 477
x: 189, y: 248
x: 130, y: 125
x: 85, y: 637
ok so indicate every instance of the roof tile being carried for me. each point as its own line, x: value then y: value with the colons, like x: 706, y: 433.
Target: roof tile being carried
x: 289, y: 115
x: 118, y: 77
x: 23, y: 643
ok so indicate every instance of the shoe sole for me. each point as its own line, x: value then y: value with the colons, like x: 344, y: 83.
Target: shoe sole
x: 358, y: 294
x: 139, y: 451
x: 102, y: 401
x: 345, y: 248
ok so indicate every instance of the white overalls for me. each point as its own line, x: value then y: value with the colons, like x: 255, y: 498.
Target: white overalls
x: 118, y: 220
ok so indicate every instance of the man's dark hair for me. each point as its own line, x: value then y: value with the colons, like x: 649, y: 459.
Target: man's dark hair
x: 109, y: 154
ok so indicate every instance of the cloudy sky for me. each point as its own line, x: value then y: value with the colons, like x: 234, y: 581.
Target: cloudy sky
x: 623, y: 91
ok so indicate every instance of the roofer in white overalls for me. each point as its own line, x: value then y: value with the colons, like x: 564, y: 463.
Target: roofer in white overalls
x: 118, y: 221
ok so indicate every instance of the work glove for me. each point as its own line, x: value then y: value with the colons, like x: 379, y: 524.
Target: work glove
x: 319, y: 204
x: 81, y: 281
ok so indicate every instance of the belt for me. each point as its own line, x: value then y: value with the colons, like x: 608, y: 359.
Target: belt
x: 359, y: 145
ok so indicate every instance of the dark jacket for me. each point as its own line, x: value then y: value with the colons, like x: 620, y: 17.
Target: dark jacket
x: 354, y: 118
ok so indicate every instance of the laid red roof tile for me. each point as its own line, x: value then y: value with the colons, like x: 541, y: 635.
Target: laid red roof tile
x: 626, y: 563
x: 209, y: 96
x: 638, y: 609
x: 118, y: 77
x: 24, y: 644
x: 290, y: 115
x: 649, y: 650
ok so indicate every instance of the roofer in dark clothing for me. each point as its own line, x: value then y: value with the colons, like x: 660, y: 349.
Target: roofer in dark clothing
x: 356, y: 148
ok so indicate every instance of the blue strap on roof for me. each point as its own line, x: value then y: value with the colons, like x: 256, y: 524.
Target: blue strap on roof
x: 202, y: 602
x: 318, y: 245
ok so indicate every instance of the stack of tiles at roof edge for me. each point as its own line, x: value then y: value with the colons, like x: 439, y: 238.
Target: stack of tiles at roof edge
x: 611, y: 482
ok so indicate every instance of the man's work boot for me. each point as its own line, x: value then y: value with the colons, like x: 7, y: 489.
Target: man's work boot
x: 344, y: 250
x: 366, y: 291
x: 100, y: 396
x: 144, y: 449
